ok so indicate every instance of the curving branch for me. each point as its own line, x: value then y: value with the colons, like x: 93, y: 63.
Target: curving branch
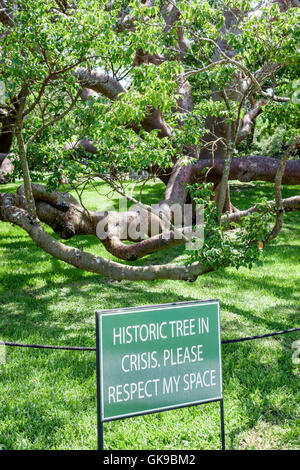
x: 68, y: 218
x: 6, y: 167
x: 10, y: 212
x: 249, y: 118
x: 100, y: 82
x: 109, y: 87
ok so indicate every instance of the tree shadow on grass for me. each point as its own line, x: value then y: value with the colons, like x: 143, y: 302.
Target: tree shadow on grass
x: 29, y: 309
x: 267, y: 390
x: 63, y: 282
x: 61, y: 311
x: 255, y: 380
x: 57, y: 392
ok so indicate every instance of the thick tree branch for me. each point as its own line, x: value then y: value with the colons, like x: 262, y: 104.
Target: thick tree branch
x: 100, y: 82
x: 68, y: 218
x: 9, y: 212
x: 249, y: 120
x: 109, y: 87
x: 245, y: 169
x: 6, y: 168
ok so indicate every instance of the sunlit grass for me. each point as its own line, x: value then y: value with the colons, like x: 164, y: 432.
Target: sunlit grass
x: 48, y: 398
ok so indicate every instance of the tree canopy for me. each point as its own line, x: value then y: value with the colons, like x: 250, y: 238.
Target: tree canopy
x: 177, y: 90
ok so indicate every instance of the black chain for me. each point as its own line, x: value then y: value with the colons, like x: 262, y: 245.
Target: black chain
x: 248, y: 338
x: 79, y: 348
x: 46, y: 346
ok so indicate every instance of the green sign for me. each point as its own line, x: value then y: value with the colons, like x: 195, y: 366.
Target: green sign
x: 158, y: 358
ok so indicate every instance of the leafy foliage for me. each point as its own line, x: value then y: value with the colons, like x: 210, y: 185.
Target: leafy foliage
x: 47, y: 45
x: 239, y: 247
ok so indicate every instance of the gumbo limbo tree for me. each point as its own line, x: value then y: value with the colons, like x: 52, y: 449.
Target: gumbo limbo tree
x: 170, y: 89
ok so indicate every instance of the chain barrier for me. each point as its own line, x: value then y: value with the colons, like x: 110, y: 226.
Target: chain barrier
x: 81, y: 348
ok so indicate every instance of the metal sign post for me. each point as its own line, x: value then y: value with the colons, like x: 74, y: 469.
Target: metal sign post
x: 158, y: 358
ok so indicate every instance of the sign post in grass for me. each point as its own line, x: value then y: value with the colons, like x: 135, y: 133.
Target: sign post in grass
x: 158, y: 358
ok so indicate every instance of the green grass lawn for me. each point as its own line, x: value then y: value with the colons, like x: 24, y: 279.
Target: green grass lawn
x: 48, y: 398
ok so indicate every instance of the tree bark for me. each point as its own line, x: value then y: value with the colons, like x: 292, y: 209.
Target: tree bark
x: 6, y: 168
x: 68, y: 218
x: 88, y: 262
